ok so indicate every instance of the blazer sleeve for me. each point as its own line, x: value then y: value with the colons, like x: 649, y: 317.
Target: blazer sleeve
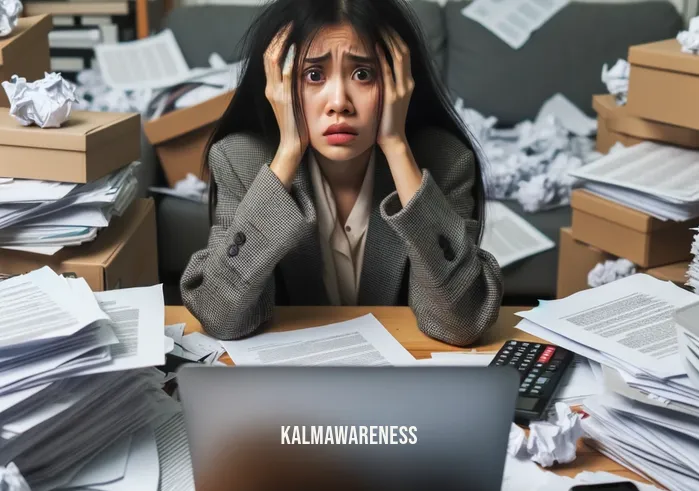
x: 455, y: 287
x: 229, y: 286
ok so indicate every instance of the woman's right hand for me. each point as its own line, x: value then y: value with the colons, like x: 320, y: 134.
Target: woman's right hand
x: 292, y: 142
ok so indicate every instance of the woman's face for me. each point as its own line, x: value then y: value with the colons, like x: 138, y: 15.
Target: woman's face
x: 340, y: 93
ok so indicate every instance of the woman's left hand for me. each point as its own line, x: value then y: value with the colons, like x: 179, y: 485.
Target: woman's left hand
x: 396, y: 93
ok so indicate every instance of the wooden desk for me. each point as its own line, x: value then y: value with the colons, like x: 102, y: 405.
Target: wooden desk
x: 400, y: 322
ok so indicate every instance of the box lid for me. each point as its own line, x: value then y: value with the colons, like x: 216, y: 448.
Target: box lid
x: 665, y: 55
x: 592, y: 204
x: 27, y: 27
x: 617, y: 118
x: 82, y: 130
x: 183, y: 121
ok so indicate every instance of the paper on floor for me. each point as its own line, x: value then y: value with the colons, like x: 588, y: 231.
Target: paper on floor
x: 362, y: 341
x: 513, y: 21
x: 509, y: 237
x: 531, y: 162
x: 11, y: 479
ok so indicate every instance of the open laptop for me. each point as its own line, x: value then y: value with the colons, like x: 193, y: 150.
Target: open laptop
x: 402, y: 428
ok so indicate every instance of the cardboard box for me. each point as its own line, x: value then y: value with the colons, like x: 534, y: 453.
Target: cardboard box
x: 616, y: 124
x: 628, y: 233
x: 123, y: 255
x: 180, y: 137
x: 576, y: 259
x: 25, y: 52
x: 663, y: 84
x: 88, y: 146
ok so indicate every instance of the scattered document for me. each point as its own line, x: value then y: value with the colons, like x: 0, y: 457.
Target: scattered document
x: 569, y: 115
x: 509, y: 237
x: 629, y: 319
x: 155, y: 62
x: 175, y: 460
x: 362, y: 342
x: 513, y: 21
x: 71, y: 408
x: 139, y: 323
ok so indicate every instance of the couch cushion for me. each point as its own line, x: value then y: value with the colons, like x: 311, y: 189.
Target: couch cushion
x: 431, y: 18
x: 535, y: 277
x: 183, y: 229
x: 205, y: 29
x: 565, y: 55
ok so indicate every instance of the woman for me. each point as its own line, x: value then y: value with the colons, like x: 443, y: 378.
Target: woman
x: 342, y: 175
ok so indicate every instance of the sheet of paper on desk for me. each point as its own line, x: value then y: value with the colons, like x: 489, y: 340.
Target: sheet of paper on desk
x: 448, y: 358
x: 509, y: 237
x: 578, y: 383
x: 513, y: 21
x: 362, y: 341
x: 629, y: 319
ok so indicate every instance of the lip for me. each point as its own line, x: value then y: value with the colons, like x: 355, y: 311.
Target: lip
x: 343, y: 128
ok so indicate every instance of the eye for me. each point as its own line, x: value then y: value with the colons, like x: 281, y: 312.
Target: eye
x: 364, y: 74
x: 313, y: 75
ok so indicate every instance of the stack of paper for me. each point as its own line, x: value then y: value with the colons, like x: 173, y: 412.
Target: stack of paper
x: 43, y: 216
x: 687, y: 325
x: 660, y: 180
x: 628, y: 327
x: 79, y: 397
x: 693, y: 271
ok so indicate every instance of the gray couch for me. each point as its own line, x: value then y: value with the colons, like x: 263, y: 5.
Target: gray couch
x: 566, y: 55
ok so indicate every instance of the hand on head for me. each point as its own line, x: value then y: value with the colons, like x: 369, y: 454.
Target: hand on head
x: 396, y: 91
x: 278, y: 90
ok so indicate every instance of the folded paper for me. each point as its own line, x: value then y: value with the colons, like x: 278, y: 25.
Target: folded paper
x: 617, y: 80
x: 46, y: 103
x: 11, y: 479
x: 689, y: 39
x: 517, y: 443
x: 10, y: 10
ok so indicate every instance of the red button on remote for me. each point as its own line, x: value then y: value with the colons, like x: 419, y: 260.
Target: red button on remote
x: 547, y: 354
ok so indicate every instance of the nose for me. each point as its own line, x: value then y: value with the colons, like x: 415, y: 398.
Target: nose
x: 338, y: 98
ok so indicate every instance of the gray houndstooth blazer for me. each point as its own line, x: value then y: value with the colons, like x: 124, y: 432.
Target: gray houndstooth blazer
x: 263, y: 246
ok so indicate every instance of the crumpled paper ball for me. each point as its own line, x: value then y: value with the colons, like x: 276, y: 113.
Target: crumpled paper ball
x: 11, y: 479
x: 192, y: 187
x: 617, y: 80
x: 517, y: 442
x: 689, y: 39
x: 10, y: 10
x: 555, y: 441
x: 46, y: 102
x: 610, y: 270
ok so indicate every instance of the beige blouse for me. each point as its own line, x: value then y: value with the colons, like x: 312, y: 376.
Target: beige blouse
x: 342, y: 247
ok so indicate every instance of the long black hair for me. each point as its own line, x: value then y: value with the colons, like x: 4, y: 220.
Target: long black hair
x: 430, y: 104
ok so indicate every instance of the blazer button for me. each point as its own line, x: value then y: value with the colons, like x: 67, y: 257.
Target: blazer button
x: 449, y: 254
x: 233, y: 250
x: 239, y: 238
x: 443, y: 242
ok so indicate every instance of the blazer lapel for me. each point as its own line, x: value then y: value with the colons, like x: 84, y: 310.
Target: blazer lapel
x: 385, y: 254
x: 304, y: 265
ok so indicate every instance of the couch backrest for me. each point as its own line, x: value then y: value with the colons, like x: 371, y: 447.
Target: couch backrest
x: 565, y: 55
